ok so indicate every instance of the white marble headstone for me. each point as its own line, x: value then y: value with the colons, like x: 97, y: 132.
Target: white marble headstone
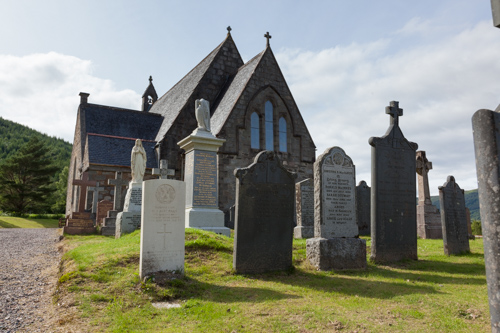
x: 162, y: 229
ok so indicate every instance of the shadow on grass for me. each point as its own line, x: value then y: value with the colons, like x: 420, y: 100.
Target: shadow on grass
x: 4, y: 224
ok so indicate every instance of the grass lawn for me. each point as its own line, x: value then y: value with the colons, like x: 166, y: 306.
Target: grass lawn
x: 21, y: 222
x: 99, y: 288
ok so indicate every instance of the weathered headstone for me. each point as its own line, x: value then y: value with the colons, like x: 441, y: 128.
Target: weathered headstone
x: 264, y: 216
x: 200, y: 175
x: 130, y: 219
x: 428, y: 216
x: 118, y: 183
x: 335, y: 245
x: 163, y: 230
x: 393, y: 209
x: 486, y: 132
x: 304, y: 206
x: 363, y: 208
x: 103, y: 207
x: 453, y: 219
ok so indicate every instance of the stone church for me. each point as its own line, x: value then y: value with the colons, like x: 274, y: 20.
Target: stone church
x: 251, y: 107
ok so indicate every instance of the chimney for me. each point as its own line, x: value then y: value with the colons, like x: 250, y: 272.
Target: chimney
x: 84, y: 98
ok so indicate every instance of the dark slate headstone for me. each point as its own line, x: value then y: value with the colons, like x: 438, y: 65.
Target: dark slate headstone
x: 393, y: 209
x: 304, y: 205
x: 264, y: 216
x: 453, y: 219
x: 363, y: 208
x: 486, y: 132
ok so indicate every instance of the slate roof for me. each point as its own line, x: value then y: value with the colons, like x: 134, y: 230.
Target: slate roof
x: 115, y: 151
x: 233, y: 93
x: 107, y: 120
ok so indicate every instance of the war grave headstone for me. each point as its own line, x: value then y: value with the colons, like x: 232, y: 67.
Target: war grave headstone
x: 428, y: 216
x: 453, y: 219
x: 81, y: 222
x: 200, y: 175
x: 486, y: 133
x: 335, y: 244
x: 363, y: 208
x: 263, y: 232
x: 130, y: 219
x: 393, y: 209
x: 304, y: 206
x: 163, y: 226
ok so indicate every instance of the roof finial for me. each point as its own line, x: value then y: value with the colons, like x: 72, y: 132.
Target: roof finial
x: 229, y: 29
x: 268, y: 36
x: 150, y: 79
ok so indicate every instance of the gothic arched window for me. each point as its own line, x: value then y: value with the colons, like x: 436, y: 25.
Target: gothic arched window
x: 255, y: 129
x: 269, y: 126
x: 282, y: 134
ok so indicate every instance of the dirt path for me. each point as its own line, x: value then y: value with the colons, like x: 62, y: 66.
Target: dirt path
x: 29, y: 262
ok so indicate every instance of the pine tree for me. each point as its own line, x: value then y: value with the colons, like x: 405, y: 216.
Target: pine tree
x: 26, y: 179
x: 60, y: 195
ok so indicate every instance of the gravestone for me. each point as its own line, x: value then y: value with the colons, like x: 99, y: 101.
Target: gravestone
x: 95, y: 196
x: 335, y: 244
x: 453, y: 219
x: 304, y: 206
x: 130, y: 219
x: 264, y: 216
x: 363, y: 208
x: 428, y: 216
x: 163, y: 230
x: 393, y: 209
x: 103, y: 207
x: 200, y: 175
x: 118, y: 183
x: 163, y: 171
x: 83, y: 183
x: 486, y: 133
x: 229, y: 217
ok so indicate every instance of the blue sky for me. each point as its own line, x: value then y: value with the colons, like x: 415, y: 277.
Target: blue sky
x: 343, y: 60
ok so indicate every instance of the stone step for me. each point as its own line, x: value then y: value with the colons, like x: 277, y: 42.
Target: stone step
x: 109, y: 222
x: 80, y: 223
x: 112, y: 213
x: 108, y: 231
x: 80, y: 215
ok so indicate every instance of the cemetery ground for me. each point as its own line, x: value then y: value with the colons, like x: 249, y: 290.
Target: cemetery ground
x: 99, y: 290
x: 33, y: 221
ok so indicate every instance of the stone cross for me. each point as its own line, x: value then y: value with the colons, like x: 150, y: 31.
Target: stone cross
x: 163, y: 171
x: 395, y: 112
x: 96, y: 189
x: 268, y: 36
x: 423, y: 167
x: 83, y: 183
x: 229, y: 30
x: 118, y: 182
x: 164, y: 232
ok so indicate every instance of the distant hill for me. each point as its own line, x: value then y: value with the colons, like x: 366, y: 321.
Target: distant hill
x: 13, y: 136
x: 471, y: 202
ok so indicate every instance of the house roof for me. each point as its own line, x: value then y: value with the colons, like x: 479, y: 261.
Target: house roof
x: 115, y: 151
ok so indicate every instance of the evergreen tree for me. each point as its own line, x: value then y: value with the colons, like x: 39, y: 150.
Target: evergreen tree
x: 60, y: 195
x: 25, y: 179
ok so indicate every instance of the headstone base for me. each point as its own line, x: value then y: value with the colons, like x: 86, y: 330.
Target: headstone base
x: 133, y: 198
x: 303, y: 232
x: 393, y: 255
x: 336, y: 253
x: 109, y: 227
x: 429, y: 222
x: 210, y: 219
x: 127, y: 222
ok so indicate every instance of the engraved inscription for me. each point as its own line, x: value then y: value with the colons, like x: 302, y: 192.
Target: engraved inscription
x: 307, y: 205
x: 205, y: 179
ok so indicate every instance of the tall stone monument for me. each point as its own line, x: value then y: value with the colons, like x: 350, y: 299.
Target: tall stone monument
x: 428, y: 216
x: 163, y: 230
x: 393, y: 209
x: 453, y: 219
x: 304, y: 206
x: 130, y: 219
x: 363, y: 197
x: 335, y: 244
x: 200, y: 175
x: 263, y: 232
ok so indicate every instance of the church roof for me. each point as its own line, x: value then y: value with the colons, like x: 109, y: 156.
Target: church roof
x: 115, y: 151
x: 107, y: 120
x: 233, y: 93
x: 171, y: 104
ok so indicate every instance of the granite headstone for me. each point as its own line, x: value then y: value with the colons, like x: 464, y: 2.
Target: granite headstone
x: 363, y: 208
x: 304, y: 206
x: 428, y: 216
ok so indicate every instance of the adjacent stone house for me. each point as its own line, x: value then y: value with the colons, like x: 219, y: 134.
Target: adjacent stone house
x: 251, y: 107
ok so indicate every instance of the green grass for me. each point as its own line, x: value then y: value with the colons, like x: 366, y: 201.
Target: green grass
x: 437, y: 293
x: 21, y: 222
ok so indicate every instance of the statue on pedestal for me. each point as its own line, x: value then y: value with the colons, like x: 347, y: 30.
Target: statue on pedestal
x: 138, y: 160
x: 202, y: 113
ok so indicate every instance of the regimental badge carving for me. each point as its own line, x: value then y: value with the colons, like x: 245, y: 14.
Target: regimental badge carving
x: 165, y: 194
x: 338, y: 158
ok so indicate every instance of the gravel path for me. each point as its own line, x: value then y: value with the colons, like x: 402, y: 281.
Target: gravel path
x: 28, y: 266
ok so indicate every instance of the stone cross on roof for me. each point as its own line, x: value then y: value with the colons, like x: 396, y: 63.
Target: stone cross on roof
x: 118, y: 182
x: 150, y: 79
x: 268, y: 36
x: 395, y: 112
x: 229, y: 29
x: 163, y: 171
x: 96, y: 189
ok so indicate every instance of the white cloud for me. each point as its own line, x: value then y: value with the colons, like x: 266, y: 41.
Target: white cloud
x: 342, y: 93
x: 41, y: 91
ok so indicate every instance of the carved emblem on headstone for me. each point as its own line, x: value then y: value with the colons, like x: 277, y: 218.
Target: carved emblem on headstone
x: 165, y: 194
